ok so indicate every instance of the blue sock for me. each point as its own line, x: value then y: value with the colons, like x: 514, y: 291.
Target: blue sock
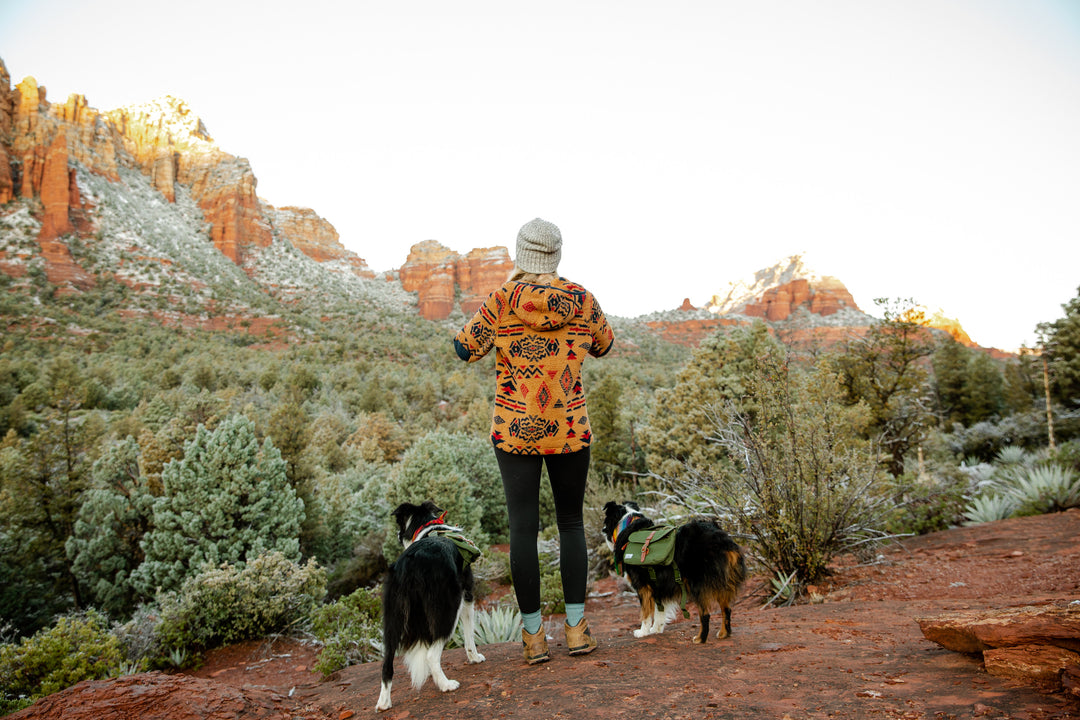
x: 532, y: 622
x: 575, y: 613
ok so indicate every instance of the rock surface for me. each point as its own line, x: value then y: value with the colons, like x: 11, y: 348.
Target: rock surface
x: 1032, y: 644
x: 436, y: 272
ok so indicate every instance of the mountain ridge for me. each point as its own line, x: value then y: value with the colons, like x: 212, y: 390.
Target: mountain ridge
x: 72, y: 165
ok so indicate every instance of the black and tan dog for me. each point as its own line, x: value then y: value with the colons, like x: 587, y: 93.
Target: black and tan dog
x: 426, y: 590
x: 710, y: 563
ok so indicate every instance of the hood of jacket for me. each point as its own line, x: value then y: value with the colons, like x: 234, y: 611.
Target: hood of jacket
x: 545, y: 307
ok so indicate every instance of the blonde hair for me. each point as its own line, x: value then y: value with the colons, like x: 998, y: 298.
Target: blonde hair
x: 519, y: 275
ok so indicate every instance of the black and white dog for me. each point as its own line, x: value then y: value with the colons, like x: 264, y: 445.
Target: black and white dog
x: 426, y: 590
x: 710, y: 562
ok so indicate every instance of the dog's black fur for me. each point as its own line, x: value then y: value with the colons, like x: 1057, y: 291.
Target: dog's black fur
x: 710, y: 562
x: 425, y: 591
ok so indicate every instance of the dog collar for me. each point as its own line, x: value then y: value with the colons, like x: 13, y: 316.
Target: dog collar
x: 441, y: 520
x: 623, y: 524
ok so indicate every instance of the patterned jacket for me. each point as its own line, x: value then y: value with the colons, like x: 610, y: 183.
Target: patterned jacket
x: 541, y: 334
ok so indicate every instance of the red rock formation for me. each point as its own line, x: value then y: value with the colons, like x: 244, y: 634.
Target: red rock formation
x: 55, y: 191
x: 1033, y: 643
x: 821, y: 297
x: 686, y: 305
x: 481, y: 271
x: 7, y: 110
x: 432, y: 270
x: 315, y: 237
x: 157, y: 695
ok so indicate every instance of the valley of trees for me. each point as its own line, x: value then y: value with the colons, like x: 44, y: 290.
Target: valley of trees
x: 138, y: 461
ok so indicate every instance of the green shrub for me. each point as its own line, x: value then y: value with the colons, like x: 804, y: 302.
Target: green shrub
x: 76, y: 648
x: 350, y: 630
x: 222, y: 605
x: 929, y: 504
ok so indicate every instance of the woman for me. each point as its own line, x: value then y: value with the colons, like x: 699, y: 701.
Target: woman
x: 542, y: 326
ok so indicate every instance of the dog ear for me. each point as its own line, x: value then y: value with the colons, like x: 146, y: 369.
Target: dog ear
x: 632, y: 505
x: 428, y: 506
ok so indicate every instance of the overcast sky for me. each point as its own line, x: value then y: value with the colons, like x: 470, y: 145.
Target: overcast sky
x: 911, y: 148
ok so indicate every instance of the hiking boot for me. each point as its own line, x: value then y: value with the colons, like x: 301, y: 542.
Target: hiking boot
x: 579, y: 640
x: 536, y: 648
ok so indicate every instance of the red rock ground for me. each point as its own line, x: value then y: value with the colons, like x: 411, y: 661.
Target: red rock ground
x: 858, y: 653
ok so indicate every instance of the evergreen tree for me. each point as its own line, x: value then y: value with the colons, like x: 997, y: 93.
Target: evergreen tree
x: 1060, y: 342
x: 885, y: 369
x: 114, y: 517
x: 226, y: 501
x: 681, y: 420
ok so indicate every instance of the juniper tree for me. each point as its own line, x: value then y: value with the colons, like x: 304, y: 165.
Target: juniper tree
x: 114, y: 517
x: 1060, y: 342
x: 677, y: 431
x: 226, y: 501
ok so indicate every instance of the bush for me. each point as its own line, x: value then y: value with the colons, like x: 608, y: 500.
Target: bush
x: 350, y: 630
x: 76, y: 648
x: 808, y: 488
x: 222, y: 605
x: 929, y: 504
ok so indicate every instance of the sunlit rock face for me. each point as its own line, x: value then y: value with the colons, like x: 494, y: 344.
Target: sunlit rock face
x: 434, y: 272
x: 775, y: 293
x: 315, y: 237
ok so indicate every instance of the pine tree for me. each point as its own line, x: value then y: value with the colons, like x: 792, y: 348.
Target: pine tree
x: 1060, y: 341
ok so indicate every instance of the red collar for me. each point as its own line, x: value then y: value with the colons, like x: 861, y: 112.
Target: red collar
x: 437, y: 521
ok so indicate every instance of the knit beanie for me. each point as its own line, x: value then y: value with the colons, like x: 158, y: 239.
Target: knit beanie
x: 539, y: 247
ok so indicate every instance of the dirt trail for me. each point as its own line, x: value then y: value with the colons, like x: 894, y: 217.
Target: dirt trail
x: 858, y: 653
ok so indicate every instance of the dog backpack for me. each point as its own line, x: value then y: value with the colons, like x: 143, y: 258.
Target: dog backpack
x: 465, y: 546
x: 652, y: 547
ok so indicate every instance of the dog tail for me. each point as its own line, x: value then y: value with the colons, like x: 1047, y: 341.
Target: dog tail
x: 416, y: 659
x: 734, y: 572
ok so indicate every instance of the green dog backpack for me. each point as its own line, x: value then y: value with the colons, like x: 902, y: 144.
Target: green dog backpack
x: 651, y: 546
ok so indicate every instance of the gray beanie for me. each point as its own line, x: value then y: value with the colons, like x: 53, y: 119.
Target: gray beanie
x: 539, y: 247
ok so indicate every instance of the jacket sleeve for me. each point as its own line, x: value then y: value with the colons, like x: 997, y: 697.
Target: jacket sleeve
x: 478, y: 336
x: 602, y: 337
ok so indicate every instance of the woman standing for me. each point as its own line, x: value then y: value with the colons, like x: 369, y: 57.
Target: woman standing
x: 542, y: 326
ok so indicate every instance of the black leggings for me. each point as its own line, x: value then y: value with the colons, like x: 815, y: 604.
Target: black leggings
x: 521, y: 483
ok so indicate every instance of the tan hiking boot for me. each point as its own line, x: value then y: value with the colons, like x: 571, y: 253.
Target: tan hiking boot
x: 579, y: 640
x: 536, y: 647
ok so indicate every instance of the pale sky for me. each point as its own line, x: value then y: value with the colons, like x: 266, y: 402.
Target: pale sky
x: 912, y: 148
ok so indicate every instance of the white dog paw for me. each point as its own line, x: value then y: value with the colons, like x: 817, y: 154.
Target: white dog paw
x: 476, y: 658
x: 384, y: 699
x: 450, y: 685
x: 641, y: 633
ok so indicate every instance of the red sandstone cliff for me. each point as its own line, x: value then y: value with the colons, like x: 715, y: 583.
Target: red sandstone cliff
x: 432, y: 271
x: 40, y: 143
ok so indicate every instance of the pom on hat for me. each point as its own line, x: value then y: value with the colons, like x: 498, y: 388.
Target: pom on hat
x: 539, y: 247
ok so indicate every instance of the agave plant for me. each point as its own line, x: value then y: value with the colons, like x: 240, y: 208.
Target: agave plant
x: 988, y: 508
x: 1043, y: 489
x: 498, y: 625
x: 1012, y: 455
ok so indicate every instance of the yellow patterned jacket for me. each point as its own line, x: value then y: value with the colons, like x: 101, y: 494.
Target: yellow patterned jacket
x: 541, y: 335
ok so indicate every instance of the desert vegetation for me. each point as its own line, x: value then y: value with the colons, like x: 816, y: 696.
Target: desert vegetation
x: 164, y: 490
